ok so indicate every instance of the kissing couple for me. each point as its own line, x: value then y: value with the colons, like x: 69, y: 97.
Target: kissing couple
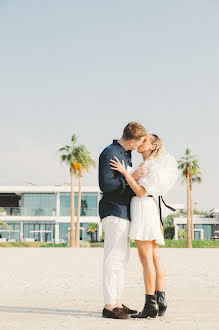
x: 129, y: 211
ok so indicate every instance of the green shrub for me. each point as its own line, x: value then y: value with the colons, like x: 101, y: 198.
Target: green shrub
x: 168, y: 226
x: 102, y: 237
x: 172, y: 243
x: 54, y: 245
x: 169, y: 232
x: 82, y: 244
x: 181, y: 234
x: 98, y: 244
x: 21, y: 244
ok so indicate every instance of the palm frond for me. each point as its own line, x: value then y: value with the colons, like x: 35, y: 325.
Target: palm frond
x: 2, y: 223
x: 75, y: 155
x: 190, y: 161
x: 61, y: 149
x: 74, y: 138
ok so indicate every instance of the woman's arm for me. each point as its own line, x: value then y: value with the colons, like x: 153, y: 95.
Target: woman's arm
x: 116, y: 165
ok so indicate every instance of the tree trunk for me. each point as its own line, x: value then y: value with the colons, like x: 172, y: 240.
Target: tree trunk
x: 78, y: 214
x: 72, y: 230
x: 191, y: 210
x: 189, y: 242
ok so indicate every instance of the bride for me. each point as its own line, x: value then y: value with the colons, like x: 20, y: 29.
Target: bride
x: 145, y: 219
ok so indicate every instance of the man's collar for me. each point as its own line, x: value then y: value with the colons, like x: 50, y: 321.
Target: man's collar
x: 128, y: 152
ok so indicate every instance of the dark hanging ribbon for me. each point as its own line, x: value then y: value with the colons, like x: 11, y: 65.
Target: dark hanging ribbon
x: 160, y: 198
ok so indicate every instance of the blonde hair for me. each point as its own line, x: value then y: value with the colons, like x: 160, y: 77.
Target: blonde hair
x: 134, y: 131
x: 158, y: 151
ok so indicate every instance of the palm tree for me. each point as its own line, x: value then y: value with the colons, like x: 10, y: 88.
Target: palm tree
x: 187, y: 164
x: 69, y: 156
x: 181, y: 233
x: 84, y: 162
x: 78, y: 159
x: 92, y: 228
x: 195, y: 177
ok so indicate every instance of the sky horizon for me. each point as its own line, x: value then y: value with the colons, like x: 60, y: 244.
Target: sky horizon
x: 90, y: 68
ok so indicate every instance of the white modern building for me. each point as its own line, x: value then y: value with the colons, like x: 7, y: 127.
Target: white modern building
x: 204, y: 226
x: 42, y: 213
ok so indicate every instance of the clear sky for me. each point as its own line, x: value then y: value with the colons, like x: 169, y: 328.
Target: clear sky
x: 90, y: 67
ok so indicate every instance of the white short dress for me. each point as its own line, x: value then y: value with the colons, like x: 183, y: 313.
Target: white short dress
x: 144, y: 211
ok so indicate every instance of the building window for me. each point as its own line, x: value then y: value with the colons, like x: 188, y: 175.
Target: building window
x: 40, y: 232
x: 207, y: 231
x: 13, y: 234
x: 39, y: 204
x: 88, y: 204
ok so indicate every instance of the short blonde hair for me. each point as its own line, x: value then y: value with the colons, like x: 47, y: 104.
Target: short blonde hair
x: 158, y: 151
x: 134, y: 131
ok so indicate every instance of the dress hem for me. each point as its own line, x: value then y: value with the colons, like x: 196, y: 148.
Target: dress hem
x: 159, y: 242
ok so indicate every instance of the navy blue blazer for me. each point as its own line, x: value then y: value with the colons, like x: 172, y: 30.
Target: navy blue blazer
x: 117, y: 193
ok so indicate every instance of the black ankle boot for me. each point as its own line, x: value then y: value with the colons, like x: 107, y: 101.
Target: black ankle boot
x: 161, y: 301
x: 150, y: 308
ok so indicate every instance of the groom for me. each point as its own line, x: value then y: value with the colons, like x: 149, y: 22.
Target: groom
x: 114, y: 211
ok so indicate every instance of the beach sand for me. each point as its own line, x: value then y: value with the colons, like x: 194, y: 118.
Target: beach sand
x: 61, y: 288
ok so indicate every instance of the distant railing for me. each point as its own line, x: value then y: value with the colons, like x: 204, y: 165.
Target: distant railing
x: 34, y: 212
x: 10, y: 211
x: 17, y: 211
x: 88, y: 212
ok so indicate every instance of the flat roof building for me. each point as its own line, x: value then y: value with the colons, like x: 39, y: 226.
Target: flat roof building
x: 204, y: 226
x: 42, y: 213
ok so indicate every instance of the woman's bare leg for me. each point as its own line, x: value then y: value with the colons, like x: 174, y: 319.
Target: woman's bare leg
x: 158, y: 267
x: 145, y: 251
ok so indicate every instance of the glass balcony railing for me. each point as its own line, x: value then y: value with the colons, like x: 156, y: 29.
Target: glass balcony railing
x: 66, y: 211
x: 6, y: 211
x: 34, y: 212
x: 26, y: 211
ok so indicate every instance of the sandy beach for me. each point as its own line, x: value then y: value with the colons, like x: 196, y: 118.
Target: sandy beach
x: 61, y: 288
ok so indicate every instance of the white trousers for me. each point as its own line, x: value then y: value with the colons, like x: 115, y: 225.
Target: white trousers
x: 116, y: 256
